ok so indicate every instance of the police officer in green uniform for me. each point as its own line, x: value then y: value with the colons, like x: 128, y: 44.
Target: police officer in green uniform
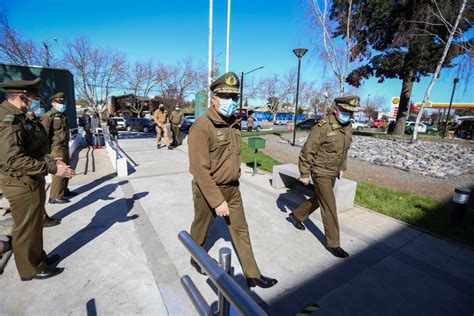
x: 324, y: 157
x: 56, y: 125
x: 35, y: 114
x: 214, y: 158
x: 23, y: 165
x: 176, y: 120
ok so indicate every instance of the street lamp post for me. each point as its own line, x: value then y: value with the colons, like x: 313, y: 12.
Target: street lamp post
x: 242, y: 74
x: 299, y: 52
x: 456, y: 80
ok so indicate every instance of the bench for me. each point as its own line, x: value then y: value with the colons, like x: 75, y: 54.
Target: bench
x: 286, y: 175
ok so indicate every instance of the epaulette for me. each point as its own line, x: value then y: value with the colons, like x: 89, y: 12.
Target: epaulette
x: 322, y: 122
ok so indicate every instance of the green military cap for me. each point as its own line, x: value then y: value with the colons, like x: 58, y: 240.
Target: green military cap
x: 227, y: 83
x: 59, y: 95
x: 21, y: 85
x: 349, y: 103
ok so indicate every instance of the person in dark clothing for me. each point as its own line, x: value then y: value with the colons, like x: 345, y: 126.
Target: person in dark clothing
x: 112, y: 124
x: 86, y: 124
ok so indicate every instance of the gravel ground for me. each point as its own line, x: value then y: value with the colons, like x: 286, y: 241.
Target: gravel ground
x: 280, y: 148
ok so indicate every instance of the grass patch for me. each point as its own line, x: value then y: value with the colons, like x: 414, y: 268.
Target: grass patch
x: 265, y: 162
x: 427, y: 213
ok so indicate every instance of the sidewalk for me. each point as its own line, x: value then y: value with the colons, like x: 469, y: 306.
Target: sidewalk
x: 117, y: 263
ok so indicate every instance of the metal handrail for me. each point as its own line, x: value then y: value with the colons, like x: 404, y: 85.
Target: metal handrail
x: 226, y: 285
x: 196, y: 297
x: 115, y: 146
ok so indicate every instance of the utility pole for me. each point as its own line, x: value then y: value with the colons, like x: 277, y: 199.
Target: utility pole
x: 299, y: 52
x: 456, y: 80
x: 228, y: 37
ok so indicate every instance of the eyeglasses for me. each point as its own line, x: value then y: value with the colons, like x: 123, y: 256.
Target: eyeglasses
x: 232, y: 96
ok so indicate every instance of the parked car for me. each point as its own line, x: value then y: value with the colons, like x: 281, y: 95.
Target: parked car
x: 140, y: 124
x: 280, y: 122
x: 378, y: 123
x: 188, y: 122
x: 465, y: 129
x: 306, y: 124
x: 422, y: 128
x: 358, y: 125
x: 120, y: 123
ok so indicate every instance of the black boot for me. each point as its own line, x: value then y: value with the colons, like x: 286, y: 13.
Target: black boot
x: 263, y: 282
x: 296, y: 222
x: 338, y: 252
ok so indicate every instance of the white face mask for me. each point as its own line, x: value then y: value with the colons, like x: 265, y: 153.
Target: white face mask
x: 227, y: 106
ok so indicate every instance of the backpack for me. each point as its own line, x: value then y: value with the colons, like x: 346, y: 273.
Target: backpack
x: 82, y: 121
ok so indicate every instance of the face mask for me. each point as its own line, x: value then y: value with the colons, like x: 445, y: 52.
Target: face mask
x: 344, y: 116
x: 35, y: 105
x: 40, y: 112
x: 228, y: 107
x: 60, y: 107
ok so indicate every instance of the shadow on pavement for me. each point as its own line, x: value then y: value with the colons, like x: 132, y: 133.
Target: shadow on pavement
x: 91, y: 308
x: 106, y: 217
x: 100, y: 194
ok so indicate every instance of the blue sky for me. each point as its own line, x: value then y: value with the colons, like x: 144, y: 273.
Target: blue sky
x: 262, y: 33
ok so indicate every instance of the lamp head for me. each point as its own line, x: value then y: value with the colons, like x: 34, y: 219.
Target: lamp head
x: 299, y: 52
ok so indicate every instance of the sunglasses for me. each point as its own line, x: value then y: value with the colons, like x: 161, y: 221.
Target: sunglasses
x: 232, y: 96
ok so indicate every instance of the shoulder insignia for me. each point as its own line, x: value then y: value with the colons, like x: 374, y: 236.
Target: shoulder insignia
x: 321, y: 123
x: 9, y: 118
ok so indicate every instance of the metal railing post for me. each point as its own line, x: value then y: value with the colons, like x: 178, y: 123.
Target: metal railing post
x: 225, y: 262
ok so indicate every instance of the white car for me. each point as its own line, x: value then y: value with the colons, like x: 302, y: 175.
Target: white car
x: 120, y: 123
x: 280, y: 122
x: 358, y: 125
x: 421, y: 127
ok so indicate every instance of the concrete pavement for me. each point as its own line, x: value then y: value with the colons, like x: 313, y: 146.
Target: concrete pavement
x: 122, y: 255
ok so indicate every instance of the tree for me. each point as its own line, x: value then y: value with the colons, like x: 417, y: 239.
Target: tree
x: 179, y: 80
x: 453, y: 29
x: 18, y: 51
x: 399, y: 39
x: 97, y: 71
x: 142, y: 78
x: 338, y: 44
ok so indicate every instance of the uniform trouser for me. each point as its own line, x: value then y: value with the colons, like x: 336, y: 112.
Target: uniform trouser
x: 176, y: 134
x: 59, y: 184
x: 27, y: 197
x: 162, y: 128
x: 323, y: 198
x: 204, y: 215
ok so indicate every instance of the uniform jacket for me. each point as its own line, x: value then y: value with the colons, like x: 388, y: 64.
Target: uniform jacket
x: 177, y: 118
x: 87, y: 120
x: 325, y: 150
x: 214, y: 154
x: 57, y: 127
x: 23, y: 146
x: 160, y: 117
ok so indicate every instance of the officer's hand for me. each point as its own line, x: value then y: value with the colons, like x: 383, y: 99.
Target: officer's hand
x: 59, y: 161
x: 304, y: 180
x: 64, y: 171
x: 223, y: 209
x: 341, y: 173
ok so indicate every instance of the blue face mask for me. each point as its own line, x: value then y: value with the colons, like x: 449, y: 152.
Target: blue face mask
x: 344, y: 116
x: 60, y: 107
x: 228, y: 107
x: 35, y: 105
x: 40, y: 112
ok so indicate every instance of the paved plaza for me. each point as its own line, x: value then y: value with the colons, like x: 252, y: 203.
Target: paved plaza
x: 119, y: 247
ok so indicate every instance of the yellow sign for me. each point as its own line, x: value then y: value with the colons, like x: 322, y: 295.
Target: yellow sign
x: 446, y: 105
x: 395, y: 100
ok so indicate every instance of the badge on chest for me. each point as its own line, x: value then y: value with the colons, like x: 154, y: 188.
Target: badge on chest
x: 333, y: 133
x: 220, y: 136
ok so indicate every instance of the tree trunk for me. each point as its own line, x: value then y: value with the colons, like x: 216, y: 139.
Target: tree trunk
x: 405, y: 96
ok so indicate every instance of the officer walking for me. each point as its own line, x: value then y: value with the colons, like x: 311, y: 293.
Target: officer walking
x: 176, y: 120
x: 214, y: 158
x: 324, y: 156
x: 161, y: 119
x: 56, y: 125
x: 87, y: 125
x: 23, y: 165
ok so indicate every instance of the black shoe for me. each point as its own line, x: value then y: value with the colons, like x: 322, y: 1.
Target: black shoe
x: 197, y: 267
x: 50, y: 222
x: 52, y: 259
x: 70, y: 193
x: 58, y: 201
x: 338, y: 252
x: 46, y: 274
x: 296, y: 222
x: 170, y: 147
x: 263, y: 282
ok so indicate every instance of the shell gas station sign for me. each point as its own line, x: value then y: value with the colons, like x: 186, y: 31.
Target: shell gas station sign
x: 394, y: 107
